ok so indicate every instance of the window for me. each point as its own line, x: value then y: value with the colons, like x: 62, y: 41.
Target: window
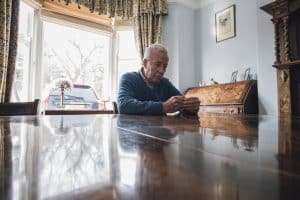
x: 78, y: 97
x: 128, y: 57
x: 76, y: 55
x: 20, y: 86
x: 67, y: 49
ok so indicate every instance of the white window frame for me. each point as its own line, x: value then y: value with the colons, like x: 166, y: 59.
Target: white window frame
x: 32, y: 52
x: 115, y: 59
x: 35, y: 71
x: 82, y: 25
x: 117, y: 40
x: 36, y: 58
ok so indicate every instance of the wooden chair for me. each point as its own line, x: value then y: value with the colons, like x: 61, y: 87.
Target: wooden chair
x: 19, y: 108
x: 115, y: 107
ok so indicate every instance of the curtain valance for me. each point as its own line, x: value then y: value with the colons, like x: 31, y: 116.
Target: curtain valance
x: 123, y: 8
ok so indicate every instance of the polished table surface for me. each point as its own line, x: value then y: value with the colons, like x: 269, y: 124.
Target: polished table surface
x: 76, y: 112
x: 137, y: 157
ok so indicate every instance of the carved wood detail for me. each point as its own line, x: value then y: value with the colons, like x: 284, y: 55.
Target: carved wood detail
x: 283, y: 80
x: 286, y: 17
x: 286, y: 38
x: 229, y: 98
x: 277, y: 41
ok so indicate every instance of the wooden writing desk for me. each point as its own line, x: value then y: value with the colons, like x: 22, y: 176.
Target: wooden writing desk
x: 229, y: 98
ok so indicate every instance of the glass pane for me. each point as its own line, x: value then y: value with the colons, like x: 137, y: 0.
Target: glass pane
x: 76, y: 55
x: 20, y: 85
x: 129, y: 65
x: 127, y: 49
x: 79, y: 96
x: 128, y: 56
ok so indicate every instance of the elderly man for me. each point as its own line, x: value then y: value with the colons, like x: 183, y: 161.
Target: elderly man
x: 147, y: 92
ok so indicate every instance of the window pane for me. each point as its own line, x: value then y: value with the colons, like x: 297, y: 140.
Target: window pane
x: 20, y: 85
x: 127, y: 49
x: 79, y: 56
x: 128, y: 57
x: 128, y: 65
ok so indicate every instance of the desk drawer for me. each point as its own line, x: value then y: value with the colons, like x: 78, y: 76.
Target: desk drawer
x: 226, y: 109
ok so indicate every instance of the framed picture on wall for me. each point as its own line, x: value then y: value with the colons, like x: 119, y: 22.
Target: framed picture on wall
x: 225, y: 23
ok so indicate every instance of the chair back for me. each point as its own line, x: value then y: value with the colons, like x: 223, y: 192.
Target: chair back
x: 19, y: 108
x: 115, y: 107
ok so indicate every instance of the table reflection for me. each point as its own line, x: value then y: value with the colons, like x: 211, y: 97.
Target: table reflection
x: 136, y: 157
x: 76, y: 160
x: 55, y: 161
x: 165, y: 170
x: 217, y: 134
x: 148, y: 164
x: 64, y: 124
x: 5, y: 161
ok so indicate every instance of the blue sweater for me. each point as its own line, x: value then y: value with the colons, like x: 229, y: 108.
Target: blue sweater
x: 136, y: 97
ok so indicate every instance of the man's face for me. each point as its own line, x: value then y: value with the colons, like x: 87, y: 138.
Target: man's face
x: 155, y: 67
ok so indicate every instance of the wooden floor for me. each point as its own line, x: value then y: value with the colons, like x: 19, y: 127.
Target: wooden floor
x: 136, y: 157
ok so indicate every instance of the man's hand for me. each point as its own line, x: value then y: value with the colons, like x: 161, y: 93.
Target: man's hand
x: 191, y: 104
x: 173, y: 104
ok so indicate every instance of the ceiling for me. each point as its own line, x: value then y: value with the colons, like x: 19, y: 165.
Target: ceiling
x: 192, y: 3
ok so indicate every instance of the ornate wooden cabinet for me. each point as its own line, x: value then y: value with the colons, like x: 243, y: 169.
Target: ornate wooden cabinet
x: 286, y: 19
x: 230, y: 98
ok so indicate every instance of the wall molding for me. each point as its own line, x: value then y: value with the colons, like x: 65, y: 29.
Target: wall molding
x: 195, y: 4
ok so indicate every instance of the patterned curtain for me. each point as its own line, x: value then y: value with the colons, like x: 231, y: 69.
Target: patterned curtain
x: 147, y: 16
x: 112, y: 8
x: 9, y: 12
x: 148, y: 22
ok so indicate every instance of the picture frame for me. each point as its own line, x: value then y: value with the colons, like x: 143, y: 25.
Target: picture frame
x: 225, y: 24
x: 234, y: 76
x: 247, y: 74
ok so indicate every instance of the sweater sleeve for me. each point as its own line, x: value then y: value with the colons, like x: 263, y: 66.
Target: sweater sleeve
x: 128, y: 103
x: 172, y: 90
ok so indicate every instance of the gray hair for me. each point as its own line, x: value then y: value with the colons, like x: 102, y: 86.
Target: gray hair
x: 156, y: 46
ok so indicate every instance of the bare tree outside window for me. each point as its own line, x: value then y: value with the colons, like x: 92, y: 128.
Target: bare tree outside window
x: 77, y: 55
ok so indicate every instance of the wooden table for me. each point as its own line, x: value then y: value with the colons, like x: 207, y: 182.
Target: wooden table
x: 77, y: 112
x: 137, y: 157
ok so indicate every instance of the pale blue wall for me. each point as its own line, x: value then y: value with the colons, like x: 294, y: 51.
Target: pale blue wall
x: 179, y: 37
x: 267, y: 81
x: 195, y: 55
x: 219, y: 60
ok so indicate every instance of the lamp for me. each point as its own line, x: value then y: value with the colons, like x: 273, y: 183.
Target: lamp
x: 63, y: 85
